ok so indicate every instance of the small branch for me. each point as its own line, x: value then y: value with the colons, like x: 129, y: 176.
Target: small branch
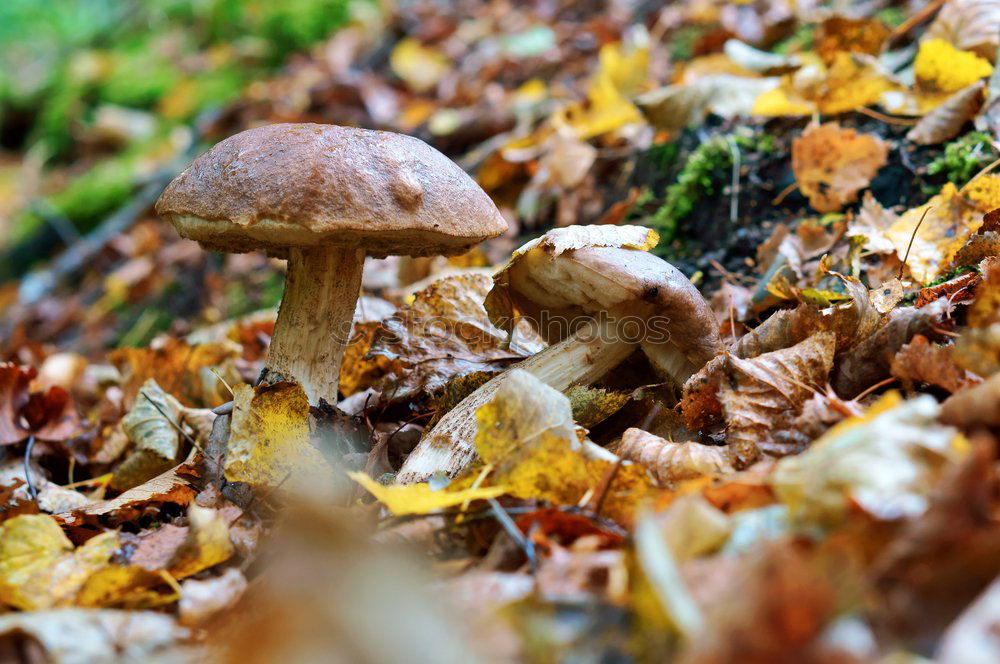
x: 515, y: 533
x: 32, y: 490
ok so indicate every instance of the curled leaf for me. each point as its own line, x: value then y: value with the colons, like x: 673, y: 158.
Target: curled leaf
x: 672, y: 462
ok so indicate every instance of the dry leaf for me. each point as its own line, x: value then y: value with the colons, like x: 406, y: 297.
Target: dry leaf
x: 151, y: 426
x: 173, y: 486
x: 420, y: 498
x: 40, y: 569
x: 869, y: 361
x: 842, y: 34
x: 832, y: 164
x: 946, y: 121
x: 764, y: 390
x: 970, y: 25
x: 885, y: 461
x: 49, y: 415
x: 178, y: 368
x: 203, y: 599
x: 445, y: 333
x: 974, y: 638
x: 269, y: 443
x: 921, y: 362
x: 871, y: 225
x: 952, y: 216
x: 672, y: 462
x: 527, y: 436
x: 84, y: 636
x: 674, y: 107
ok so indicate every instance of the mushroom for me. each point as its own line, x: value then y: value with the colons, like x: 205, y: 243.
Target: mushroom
x: 324, y: 197
x: 596, y: 294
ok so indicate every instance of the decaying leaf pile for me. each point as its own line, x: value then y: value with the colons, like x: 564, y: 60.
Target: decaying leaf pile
x: 824, y: 488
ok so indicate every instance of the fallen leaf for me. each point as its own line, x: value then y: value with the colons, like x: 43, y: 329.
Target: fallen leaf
x: 674, y: 107
x: 201, y: 600
x: 173, y: 486
x: 445, y: 333
x: 762, y: 391
x: 871, y: 224
x: 40, y: 569
x: 843, y: 34
x: 269, y: 442
x: 977, y: 406
x: 421, y: 498
x: 946, y: 121
x: 207, y: 543
x: 527, y: 436
x: 179, y: 369
x: 77, y: 636
x: 832, y: 164
x: 593, y: 405
x: 952, y: 216
x: 672, y: 462
x: 940, y: 67
x: 921, y: 362
x: 151, y: 425
x: 420, y: 67
x: 885, y: 461
x: 974, y: 637
x: 49, y: 415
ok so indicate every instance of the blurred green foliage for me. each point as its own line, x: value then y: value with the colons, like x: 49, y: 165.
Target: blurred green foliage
x: 156, y: 64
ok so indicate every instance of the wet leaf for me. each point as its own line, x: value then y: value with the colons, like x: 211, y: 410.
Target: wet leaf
x: 832, y: 164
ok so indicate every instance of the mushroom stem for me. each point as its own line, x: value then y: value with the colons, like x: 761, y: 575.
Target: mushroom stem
x: 580, y: 359
x: 315, y: 318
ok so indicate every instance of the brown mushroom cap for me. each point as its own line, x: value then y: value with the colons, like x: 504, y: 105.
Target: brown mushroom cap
x: 305, y: 185
x: 544, y: 283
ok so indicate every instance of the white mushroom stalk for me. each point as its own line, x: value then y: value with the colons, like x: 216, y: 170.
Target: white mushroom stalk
x: 627, y: 298
x: 313, y: 326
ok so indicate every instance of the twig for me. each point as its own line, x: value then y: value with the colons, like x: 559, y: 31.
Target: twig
x: 784, y: 192
x: 888, y: 119
x: 985, y: 170
x: 902, y: 265
x: 734, y: 188
x: 926, y: 12
x: 605, y: 487
x: 881, y: 383
x: 515, y: 533
x: 32, y: 491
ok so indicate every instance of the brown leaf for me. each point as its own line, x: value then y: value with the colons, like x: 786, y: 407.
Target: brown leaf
x: 841, y: 34
x: 870, y: 361
x: 763, y: 391
x: 832, y: 164
x: 173, y: 486
x: 922, y: 362
x: 976, y: 406
x: 49, y: 415
x: 943, y: 559
x: 947, y: 120
x: 445, y: 333
x: 180, y: 370
x: 672, y: 462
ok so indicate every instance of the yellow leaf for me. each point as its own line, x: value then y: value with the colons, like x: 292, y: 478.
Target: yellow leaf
x: 952, y: 217
x: 419, y: 66
x: 781, y: 102
x: 207, y: 543
x: 626, y: 71
x: 39, y: 568
x: 526, y: 432
x: 941, y: 67
x: 269, y: 438
x: 420, y: 498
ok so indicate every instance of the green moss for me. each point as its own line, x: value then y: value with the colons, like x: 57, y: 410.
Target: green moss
x: 801, y: 40
x: 891, y: 16
x: 698, y: 178
x: 963, y: 157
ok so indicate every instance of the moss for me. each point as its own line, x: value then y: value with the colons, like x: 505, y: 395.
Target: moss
x: 891, y: 16
x: 963, y: 157
x: 800, y: 40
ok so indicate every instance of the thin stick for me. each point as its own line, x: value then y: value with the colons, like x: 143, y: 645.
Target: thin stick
x: 922, y: 15
x: 784, y: 192
x: 985, y: 170
x: 902, y: 265
x: 734, y: 188
x: 881, y: 383
x: 515, y: 533
x: 222, y: 380
x: 888, y: 119
x: 605, y: 488
x: 32, y: 491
